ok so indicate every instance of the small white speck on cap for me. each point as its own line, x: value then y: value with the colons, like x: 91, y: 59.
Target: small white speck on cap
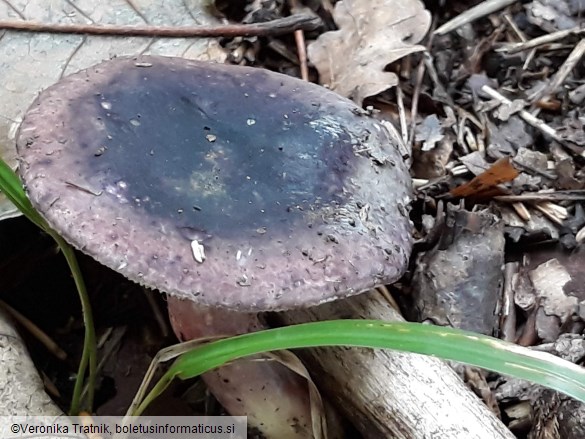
x: 198, y: 251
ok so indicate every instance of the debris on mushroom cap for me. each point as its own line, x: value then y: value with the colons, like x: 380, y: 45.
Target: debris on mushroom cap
x: 229, y: 186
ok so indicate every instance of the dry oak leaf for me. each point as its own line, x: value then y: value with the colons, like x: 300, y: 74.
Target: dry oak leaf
x: 371, y: 35
x: 500, y: 172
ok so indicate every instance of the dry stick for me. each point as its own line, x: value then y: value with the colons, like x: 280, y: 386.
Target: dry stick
x: 514, y: 28
x: 571, y: 61
x: 525, y: 115
x: 421, y: 70
x: 300, y: 42
x: 402, y: 114
x: 580, y: 236
x: 540, y: 196
x: 328, y: 6
x: 420, y: 73
x: 115, y: 341
x: 508, y: 320
x: 274, y: 27
x: 541, y: 41
x: 527, y: 58
x: 163, y: 326
x: 522, y: 211
x: 383, y: 290
x: 439, y: 89
x: 390, y: 394
x: 481, y: 10
x: 302, y: 51
x: 554, y: 212
x: 37, y: 332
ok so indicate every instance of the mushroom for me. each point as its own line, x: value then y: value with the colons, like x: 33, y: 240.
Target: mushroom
x: 236, y: 189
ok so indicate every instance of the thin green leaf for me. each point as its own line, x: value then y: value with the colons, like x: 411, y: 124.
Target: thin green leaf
x: 447, y: 343
x: 12, y: 187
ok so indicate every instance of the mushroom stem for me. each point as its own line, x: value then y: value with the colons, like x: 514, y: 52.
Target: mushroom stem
x: 274, y: 398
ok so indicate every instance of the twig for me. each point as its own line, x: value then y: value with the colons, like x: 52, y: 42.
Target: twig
x: 508, y: 319
x: 532, y: 170
x: 37, y: 332
x: 402, y: 114
x: 522, y: 211
x: 554, y: 212
x: 481, y: 10
x: 302, y: 51
x: 300, y: 42
x: 539, y: 196
x: 438, y: 89
x: 571, y: 61
x: 327, y: 6
x: 383, y: 290
x: 274, y: 27
x: 525, y: 115
x: 530, y: 56
x: 580, y: 236
x: 420, y: 73
x: 541, y: 41
x: 519, y: 34
x: 156, y: 311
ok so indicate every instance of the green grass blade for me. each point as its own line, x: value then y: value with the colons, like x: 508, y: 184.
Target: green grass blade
x: 447, y: 343
x: 89, y: 352
x: 11, y: 186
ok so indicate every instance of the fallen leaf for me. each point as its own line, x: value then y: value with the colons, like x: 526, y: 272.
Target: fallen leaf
x: 506, y: 137
x: 529, y: 159
x: 430, y: 132
x: 554, y: 15
x: 371, y: 35
x: 500, y: 172
x: 549, y: 280
x: 504, y: 111
x: 475, y: 162
x: 290, y: 360
x: 573, y: 129
x: 30, y: 62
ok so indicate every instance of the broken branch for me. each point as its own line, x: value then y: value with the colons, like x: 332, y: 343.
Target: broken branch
x: 274, y: 27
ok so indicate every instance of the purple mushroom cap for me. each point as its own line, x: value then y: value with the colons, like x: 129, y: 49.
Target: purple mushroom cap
x: 229, y: 186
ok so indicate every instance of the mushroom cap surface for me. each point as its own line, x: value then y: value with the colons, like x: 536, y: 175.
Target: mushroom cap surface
x: 230, y: 186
